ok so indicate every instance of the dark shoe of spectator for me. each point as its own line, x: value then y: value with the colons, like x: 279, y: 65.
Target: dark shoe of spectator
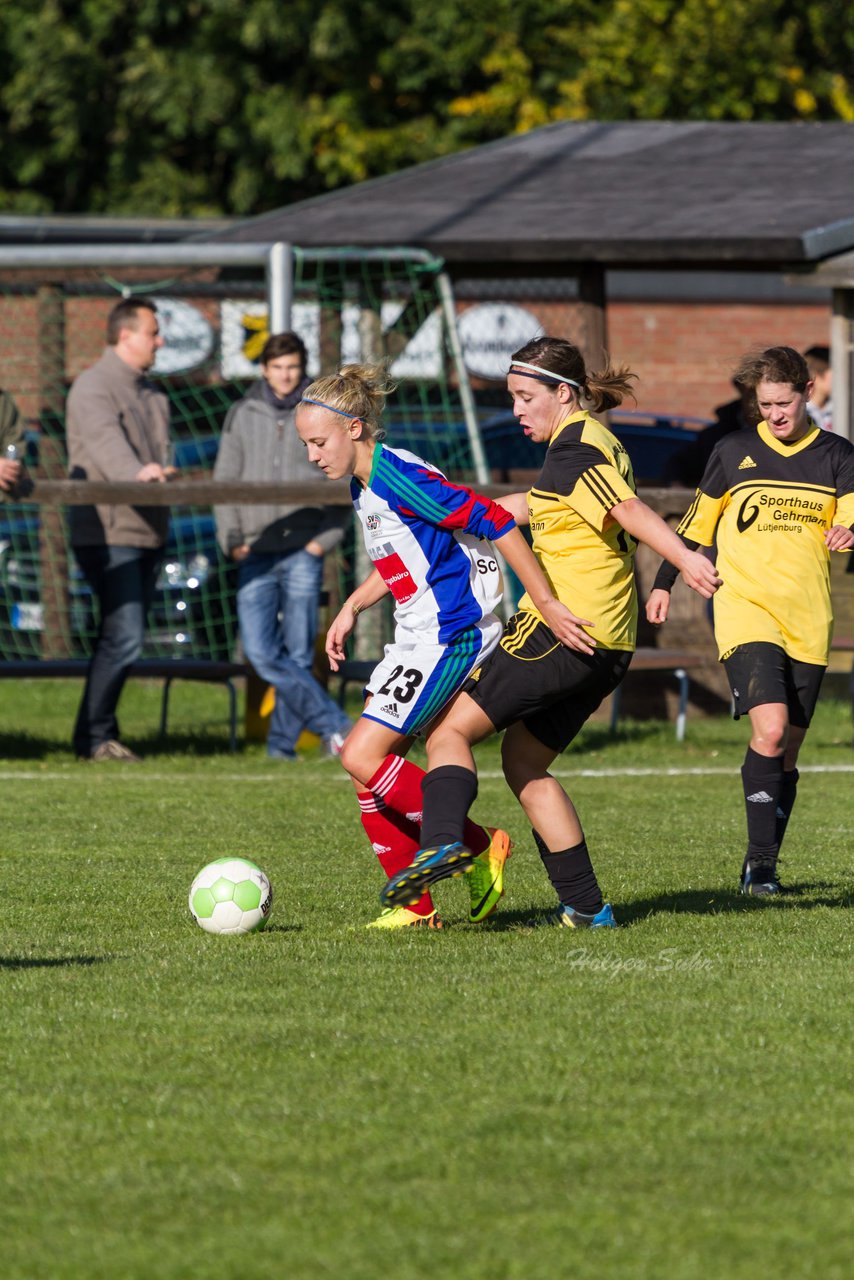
x: 113, y: 750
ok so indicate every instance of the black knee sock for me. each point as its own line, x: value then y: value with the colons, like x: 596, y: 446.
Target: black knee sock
x: 572, y: 876
x: 542, y: 847
x: 786, y: 803
x: 762, y: 779
x: 449, y: 792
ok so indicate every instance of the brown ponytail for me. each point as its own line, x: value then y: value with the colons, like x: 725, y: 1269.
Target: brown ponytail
x: 602, y: 390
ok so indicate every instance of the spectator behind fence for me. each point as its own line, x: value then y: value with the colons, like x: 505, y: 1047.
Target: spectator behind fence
x: 118, y: 429
x: 819, y: 406
x: 11, y: 436
x: 686, y: 467
x: 279, y: 550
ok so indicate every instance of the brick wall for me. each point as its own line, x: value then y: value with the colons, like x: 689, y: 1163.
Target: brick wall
x: 684, y: 352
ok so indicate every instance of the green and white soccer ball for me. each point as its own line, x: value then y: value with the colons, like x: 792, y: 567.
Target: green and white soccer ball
x: 231, y: 895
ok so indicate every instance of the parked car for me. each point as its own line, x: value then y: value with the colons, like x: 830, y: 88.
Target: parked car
x: 193, y: 609
x: 193, y: 612
x: 651, y: 440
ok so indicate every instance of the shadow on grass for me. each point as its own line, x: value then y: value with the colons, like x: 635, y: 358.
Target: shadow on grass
x: 50, y: 962
x: 717, y: 901
x: 176, y: 743
x: 28, y: 746
x: 595, y: 737
x: 803, y: 896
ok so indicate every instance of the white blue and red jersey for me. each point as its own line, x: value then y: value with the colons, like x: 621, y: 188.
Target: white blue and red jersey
x: 425, y: 537
x: 428, y: 539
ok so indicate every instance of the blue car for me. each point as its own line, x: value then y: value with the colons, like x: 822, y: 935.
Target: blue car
x: 652, y: 441
x: 192, y: 613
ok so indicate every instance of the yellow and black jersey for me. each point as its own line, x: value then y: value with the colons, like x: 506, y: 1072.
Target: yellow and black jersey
x: 586, y: 556
x: 767, y: 505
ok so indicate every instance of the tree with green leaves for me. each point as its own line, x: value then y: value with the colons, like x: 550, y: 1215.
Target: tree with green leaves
x: 195, y: 107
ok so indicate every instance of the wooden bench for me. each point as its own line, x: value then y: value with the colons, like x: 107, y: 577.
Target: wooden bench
x: 843, y: 644
x: 352, y: 671
x: 676, y: 661
x: 166, y: 669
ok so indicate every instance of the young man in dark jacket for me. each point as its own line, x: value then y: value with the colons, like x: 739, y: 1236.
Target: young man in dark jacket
x: 279, y: 550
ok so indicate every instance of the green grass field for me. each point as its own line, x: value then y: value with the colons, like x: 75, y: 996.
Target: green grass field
x: 668, y: 1100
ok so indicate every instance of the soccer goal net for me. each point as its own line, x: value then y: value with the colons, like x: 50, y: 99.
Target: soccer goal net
x: 216, y: 309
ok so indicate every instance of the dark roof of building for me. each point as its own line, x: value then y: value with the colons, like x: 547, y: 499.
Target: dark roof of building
x: 706, y: 194
x: 92, y: 229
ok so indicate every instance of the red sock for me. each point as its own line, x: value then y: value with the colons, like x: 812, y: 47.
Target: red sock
x: 394, y: 840
x: 398, y: 782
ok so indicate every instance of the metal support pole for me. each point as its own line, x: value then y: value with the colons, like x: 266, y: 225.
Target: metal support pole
x: 682, y: 714
x: 842, y: 361
x: 446, y: 294
x: 280, y: 286
x: 478, y: 453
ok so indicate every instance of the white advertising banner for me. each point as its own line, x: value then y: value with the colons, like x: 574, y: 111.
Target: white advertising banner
x: 244, y: 332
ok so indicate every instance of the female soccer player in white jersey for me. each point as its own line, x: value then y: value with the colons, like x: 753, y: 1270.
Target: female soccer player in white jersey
x: 429, y: 541
x: 585, y: 518
x: 776, y: 500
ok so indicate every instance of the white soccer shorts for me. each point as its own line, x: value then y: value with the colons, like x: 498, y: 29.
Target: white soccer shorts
x: 414, y: 681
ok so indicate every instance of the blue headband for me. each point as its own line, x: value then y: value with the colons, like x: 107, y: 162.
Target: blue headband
x: 330, y: 407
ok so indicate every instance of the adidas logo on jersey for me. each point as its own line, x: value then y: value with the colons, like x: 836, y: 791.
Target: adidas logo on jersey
x: 760, y: 797
x: 415, y: 817
x: 746, y: 462
x: 390, y: 709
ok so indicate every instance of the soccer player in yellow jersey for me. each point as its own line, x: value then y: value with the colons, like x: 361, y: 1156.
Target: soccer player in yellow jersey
x: 776, y: 500
x: 586, y: 520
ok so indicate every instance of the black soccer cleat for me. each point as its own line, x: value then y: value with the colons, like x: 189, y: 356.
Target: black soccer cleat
x: 759, y: 878
x: 428, y: 866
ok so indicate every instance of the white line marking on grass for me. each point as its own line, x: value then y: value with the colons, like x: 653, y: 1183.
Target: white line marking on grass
x: 306, y: 772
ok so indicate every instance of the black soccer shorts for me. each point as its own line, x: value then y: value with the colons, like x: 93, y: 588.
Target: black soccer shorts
x: 532, y: 677
x: 761, y: 672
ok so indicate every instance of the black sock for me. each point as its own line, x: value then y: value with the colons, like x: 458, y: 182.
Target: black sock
x: 786, y: 803
x: 449, y: 792
x: 572, y: 876
x: 542, y: 847
x: 762, y: 779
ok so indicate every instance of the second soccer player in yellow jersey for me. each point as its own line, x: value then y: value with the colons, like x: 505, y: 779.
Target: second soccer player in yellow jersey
x: 775, y: 501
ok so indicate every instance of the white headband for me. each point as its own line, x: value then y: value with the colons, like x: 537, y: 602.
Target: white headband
x: 536, y: 368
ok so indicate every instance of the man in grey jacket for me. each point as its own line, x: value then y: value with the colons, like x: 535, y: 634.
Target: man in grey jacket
x: 117, y: 425
x: 279, y: 550
x: 11, y: 447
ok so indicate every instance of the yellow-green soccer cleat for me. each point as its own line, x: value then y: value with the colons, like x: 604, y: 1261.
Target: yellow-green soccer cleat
x: 486, y: 878
x: 428, y: 866
x: 403, y: 918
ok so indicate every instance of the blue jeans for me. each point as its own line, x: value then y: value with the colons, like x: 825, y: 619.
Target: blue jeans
x: 123, y: 579
x: 277, y: 602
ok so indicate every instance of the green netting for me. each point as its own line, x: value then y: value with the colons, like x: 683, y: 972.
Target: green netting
x: 346, y: 307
